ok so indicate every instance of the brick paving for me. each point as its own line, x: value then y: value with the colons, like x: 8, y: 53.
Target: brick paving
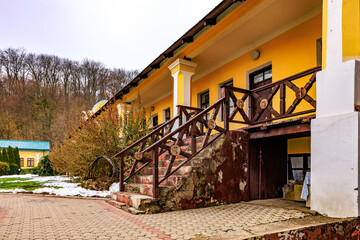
x: 35, y: 217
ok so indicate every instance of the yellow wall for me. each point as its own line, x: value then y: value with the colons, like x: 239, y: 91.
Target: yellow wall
x: 289, y: 53
x: 31, y: 154
x: 351, y: 29
x: 160, y: 106
x: 299, y: 145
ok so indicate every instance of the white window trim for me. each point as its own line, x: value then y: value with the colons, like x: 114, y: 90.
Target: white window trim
x: 164, y: 113
x: 198, y: 97
x: 221, y: 117
x: 248, y: 73
x: 27, y: 161
x: 152, y: 121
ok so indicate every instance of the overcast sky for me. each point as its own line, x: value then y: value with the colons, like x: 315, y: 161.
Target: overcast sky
x: 120, y: 33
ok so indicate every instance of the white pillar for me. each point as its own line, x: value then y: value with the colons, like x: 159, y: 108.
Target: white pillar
x: 335, y: 131
x: 182, y: 71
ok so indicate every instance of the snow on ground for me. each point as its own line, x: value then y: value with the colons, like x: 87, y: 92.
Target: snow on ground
x: 19, y: 176
x: 64, y: 188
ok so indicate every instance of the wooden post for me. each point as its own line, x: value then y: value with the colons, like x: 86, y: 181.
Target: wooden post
x: 193, y: 138
x: 121, y: 175
x: 282, y: 98
x: 155, y: 159
x: 180, y: 113
x: 226, y: 107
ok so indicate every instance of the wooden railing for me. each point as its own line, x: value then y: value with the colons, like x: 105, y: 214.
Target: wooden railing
x: 136, y: 153
x: 149, y: 148
x: 251, y: 98
x: 195, y: 122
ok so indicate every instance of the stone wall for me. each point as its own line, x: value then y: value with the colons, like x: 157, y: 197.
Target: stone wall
x: 219, y: 176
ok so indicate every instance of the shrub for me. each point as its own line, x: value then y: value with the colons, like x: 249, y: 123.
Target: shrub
x: 105, y: 135
x: 10, y: 153
x: 45, y: 168
x: 17, y: 156
x: 4, y: 168
x: 14, y: 168
x: 33, y: 170
x: 5, y: 157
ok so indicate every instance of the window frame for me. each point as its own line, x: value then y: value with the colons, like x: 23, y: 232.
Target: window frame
x: 225, y: 83
x: 152, y: 120
x: 305, y: 166
x: 29, y: 160
x: 200, y: 104
x: 319, y: 51
x: 262, y: 71
x: 22, y: 162
x: 165, y: 111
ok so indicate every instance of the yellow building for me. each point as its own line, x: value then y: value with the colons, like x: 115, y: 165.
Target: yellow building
x: 291, y: 82
x: 30, y: 152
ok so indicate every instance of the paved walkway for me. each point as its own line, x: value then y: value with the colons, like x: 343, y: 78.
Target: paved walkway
x: 35, y: 217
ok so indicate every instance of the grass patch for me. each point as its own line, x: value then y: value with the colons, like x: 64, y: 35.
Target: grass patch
x: 26, y: 185
x: 3, y: 180
x: 23, y: 185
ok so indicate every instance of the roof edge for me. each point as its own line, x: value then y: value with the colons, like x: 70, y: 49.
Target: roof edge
x: 188, y: 37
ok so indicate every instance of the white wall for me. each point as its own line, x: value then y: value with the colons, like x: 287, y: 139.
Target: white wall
x: 334, y: 165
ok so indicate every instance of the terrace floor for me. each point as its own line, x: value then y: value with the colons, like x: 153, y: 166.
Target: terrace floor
x: 46, y: 217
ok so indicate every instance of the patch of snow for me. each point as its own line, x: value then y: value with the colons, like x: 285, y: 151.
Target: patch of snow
x: 74, y: 191
x: 16, y: 190
x: 19, y: 176
x: 115, y: 187
x: 65, y: 188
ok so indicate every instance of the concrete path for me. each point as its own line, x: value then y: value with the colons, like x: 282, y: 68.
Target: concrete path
x: 35, y: 217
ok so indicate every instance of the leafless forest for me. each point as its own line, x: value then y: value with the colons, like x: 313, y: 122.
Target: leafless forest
x: 40, y: 94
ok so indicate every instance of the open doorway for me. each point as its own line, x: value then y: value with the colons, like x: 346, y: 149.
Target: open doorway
x: 268, y: 167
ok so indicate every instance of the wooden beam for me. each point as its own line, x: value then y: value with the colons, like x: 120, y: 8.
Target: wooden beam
x: 210, y: 22
x: 155, y: 66
x: 300, y: 128
x: 168, y: 55
x: 189, y: 39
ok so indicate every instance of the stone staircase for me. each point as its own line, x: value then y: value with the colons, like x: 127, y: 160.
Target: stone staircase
x: 189, y: 187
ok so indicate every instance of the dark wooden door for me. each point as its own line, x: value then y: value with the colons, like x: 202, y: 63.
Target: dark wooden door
x: 268, y: 170
x: 259, y: 79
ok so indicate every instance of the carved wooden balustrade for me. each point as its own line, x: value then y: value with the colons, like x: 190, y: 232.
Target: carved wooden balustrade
x: 275, y: 89
x: 149, y: 148
x: 195, y: 122
x: 138, y: 157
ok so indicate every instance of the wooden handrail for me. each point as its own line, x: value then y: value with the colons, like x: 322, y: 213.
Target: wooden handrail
x: 196, y: 116
x: 274, y: 88
x: 146, y: 136
x: 187, y: 124
x: 291, y: 78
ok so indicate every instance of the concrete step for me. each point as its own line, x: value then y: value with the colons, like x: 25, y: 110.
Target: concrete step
x: 144, y: 189
x: 173, y: 180
x: 127, y: 200
x: 176, y: 162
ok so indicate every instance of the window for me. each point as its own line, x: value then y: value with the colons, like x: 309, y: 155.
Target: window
x: 261, y: 75
x: 299, y: 164
x: 231, y: 102
x: 258, y: 79
x: 319, y: 51
x: 204, y: 99
x: 21, y: 162
x: 167, y: 115
x: 155, y: 121
x: 30, y: 162
x: 205, y: 102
